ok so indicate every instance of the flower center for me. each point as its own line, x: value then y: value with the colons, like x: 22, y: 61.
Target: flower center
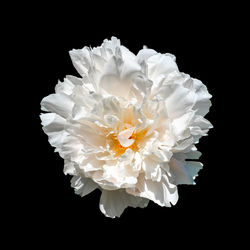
x: 127, y: 138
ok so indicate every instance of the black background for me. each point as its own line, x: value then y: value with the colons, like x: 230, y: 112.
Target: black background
x: 44, y: 206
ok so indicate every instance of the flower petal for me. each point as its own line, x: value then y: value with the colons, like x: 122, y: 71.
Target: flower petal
x: 144, y: 54
x: 152, y: 169
x: 180, y: 173
x: 180, y: 125
x: 59, y: 103
x: 117, y: 75
x: 162, y: 193
x: 161, y: 64
x: 178, y: 99
x: 113, y: 203
x: 184, y: 172
x: 124, y: 135
x: 86, y: 132
x: 200, y: 126
x: 82, y: 185
x: 53, y: 126
x: 69, y: 167
x: 202, y: 100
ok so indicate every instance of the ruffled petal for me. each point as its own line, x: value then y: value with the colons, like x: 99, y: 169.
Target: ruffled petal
x: 202, y: 100
x: 160, y: 64
x: 200, y: 126
x: 152, y: 169
x: 113, y: 203
x: 117, y: 75
x: 184, y: 172
x: 70, y: 167
x: 144, y: 54
x: 180, y: 126
x: 178, y: 99
x: 59, y: 103
x: 53, y: 126
x: 82, y: 185
x: 162, y: 193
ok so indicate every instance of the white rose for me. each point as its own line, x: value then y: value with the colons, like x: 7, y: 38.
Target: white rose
x: 128, y: 126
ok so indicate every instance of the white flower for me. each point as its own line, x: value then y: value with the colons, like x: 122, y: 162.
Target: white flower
x: 128, y: 126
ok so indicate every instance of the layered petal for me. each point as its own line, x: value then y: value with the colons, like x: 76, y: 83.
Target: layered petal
x: 162, y: 193
x: 59, y: 103
x: 113, y: 203
x: 184, y: 172
x: 82, y: 185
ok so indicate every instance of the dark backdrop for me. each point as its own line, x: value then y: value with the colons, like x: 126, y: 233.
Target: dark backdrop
x: 45, y: 206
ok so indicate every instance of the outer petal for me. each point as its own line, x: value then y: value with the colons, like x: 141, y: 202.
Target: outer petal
x: 72, y: 149
x: 59, y: 103
x: 67, y: 85
x: 161, y: 64
x: 53, y: 126
x: 82, y: 185
x: 180, y: 173
x: 117, y: 75
x: 144, y: 54
x: 88, y: 64
x: 180, y: 126
x: 113, y: 203
x: 69, y: 167
x: 184, y: 172
x: 200, y: 126
x: 162, y: 193
x: 178, y: 99
x: 202, y: 103
x: 81, y: 60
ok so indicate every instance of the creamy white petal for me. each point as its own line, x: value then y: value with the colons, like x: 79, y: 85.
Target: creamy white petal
x: 178, y: 99
x: 113, y: 203
x: 162, y: 153
x: 121, y: 175
x: 53, y: 126
x: 162, y: 193
x: 52, y: 122
x: 65, y: 87
x: 152, y: 169
x: 180, y: 126
x: 59, y: 103
x: 111, y: 106
x: 72, y: 149
x: 81, y: 60
x: 70, y: 167
x: 144, y: 54
x: 116, y: 77
x: 86, y: 133
x: 124, y: 135
x: 160, y: 64
x: 202, y: 100
x: 200, y: 126
x: 111, y: 121
x: 82, y: 185
x: 90, y: 164
x: 127, y: 157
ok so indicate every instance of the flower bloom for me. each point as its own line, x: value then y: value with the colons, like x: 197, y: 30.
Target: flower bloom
x: 127, y: 126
